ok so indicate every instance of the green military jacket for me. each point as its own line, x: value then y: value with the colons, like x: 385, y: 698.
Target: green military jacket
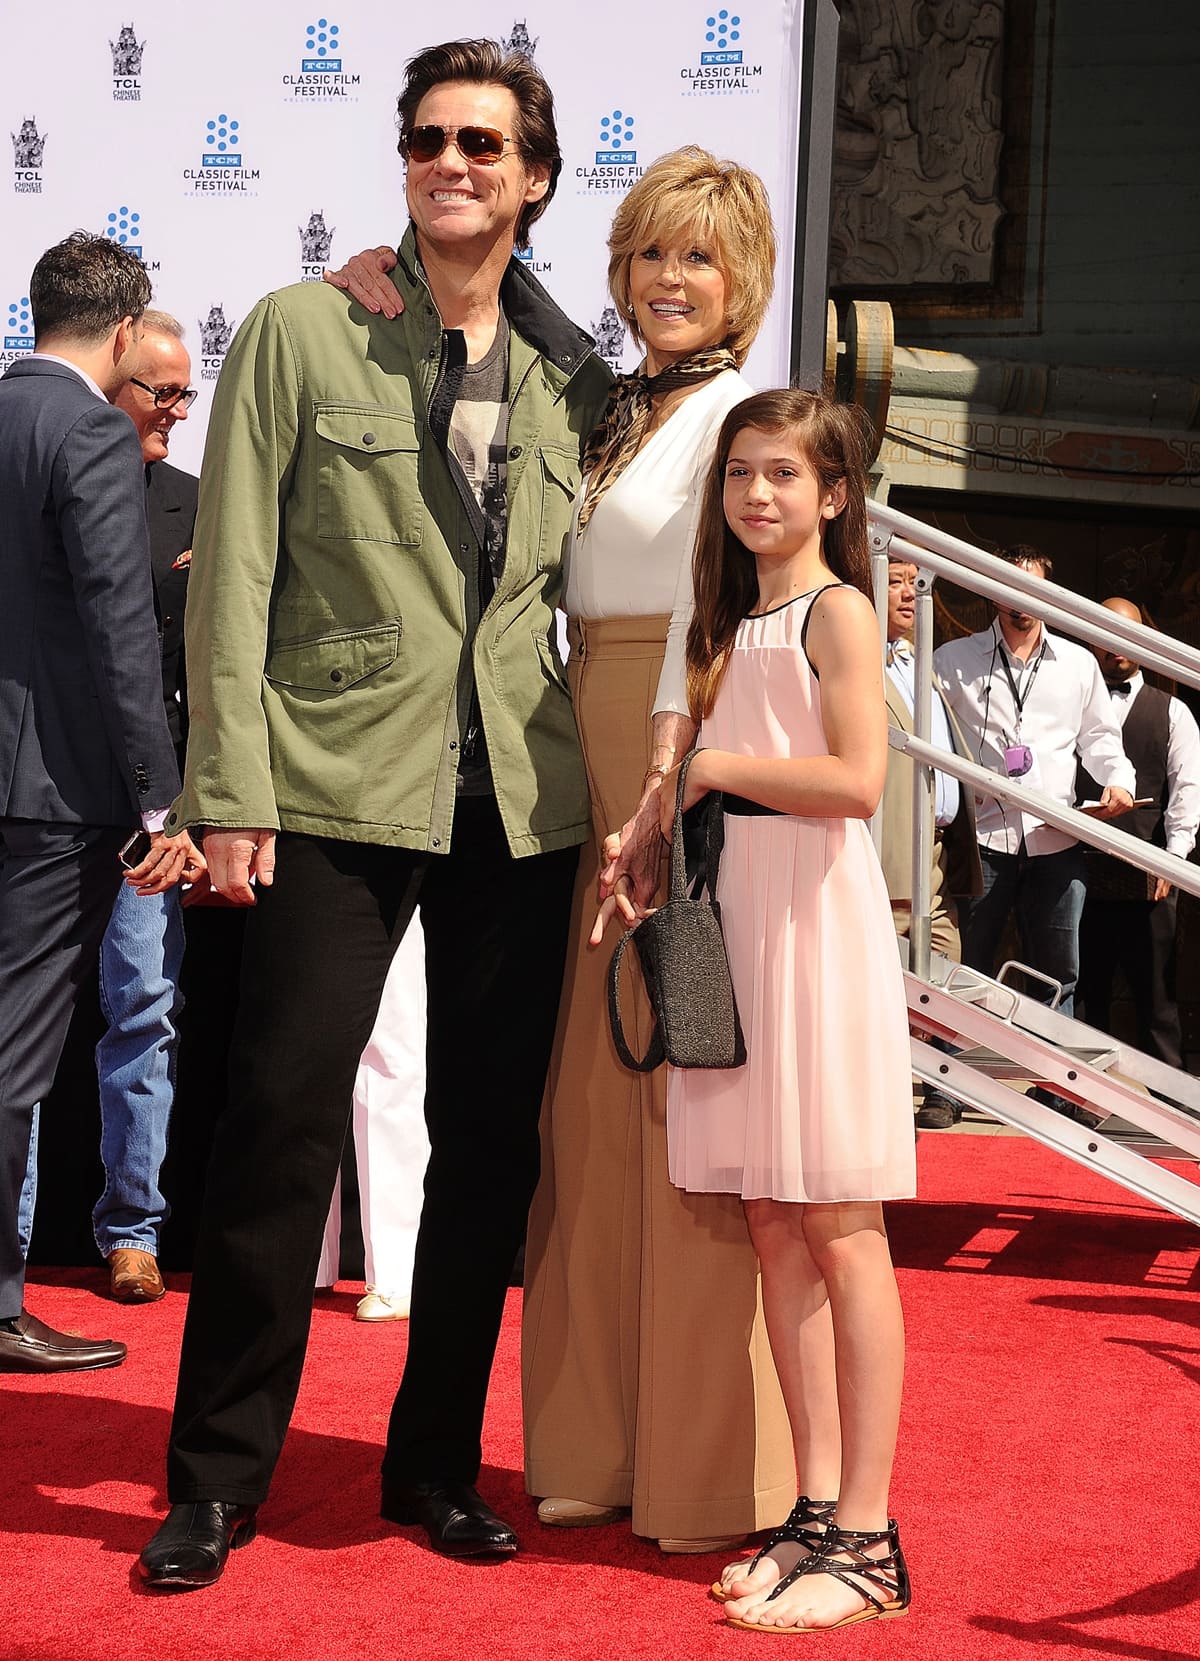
x: 333, y: 593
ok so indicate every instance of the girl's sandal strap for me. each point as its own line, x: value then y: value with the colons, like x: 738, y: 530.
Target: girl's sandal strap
x: 806, y: 1525
x: 882, y: 1581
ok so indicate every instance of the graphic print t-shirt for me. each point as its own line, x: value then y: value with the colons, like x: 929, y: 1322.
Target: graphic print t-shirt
x: 479, y: 446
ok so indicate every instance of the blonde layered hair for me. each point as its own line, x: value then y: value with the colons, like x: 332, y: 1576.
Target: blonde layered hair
x: 690, y: 194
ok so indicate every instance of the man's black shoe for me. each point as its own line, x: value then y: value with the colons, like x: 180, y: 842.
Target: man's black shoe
x: 456, y: 1519
x: 193, y: 1542
x: 938, y: 1111
x: 28, y: 1345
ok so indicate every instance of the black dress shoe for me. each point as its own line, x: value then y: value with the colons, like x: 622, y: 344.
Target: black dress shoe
x: 938, y: 1111
x: 28, y: 1345
x: 193, y: 1542
x: 452, y: 1514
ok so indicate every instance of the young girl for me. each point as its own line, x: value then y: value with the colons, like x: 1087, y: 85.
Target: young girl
x: 785, y: 674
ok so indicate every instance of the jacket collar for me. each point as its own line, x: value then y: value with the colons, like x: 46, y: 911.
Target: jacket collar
x: 529, y: 309
x: 45, y: 364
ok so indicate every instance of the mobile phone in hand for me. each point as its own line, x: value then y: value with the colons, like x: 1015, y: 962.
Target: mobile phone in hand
x: 133, y: 851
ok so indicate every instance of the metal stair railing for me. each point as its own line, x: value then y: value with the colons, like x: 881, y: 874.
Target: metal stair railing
x: 1002, y: 1032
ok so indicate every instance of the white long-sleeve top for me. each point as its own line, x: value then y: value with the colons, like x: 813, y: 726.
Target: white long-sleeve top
x: 1182, y: 816
x: 1067, y: 713
x: 635, y: 557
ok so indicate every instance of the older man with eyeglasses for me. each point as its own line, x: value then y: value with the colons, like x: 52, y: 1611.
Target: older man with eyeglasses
x: 142, y: 950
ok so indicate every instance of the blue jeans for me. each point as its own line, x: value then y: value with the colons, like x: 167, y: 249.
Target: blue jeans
x: 1045, y: 893
x: 140, y: 959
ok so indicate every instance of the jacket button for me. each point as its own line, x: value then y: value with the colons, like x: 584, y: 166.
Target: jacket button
x: 368, y: 438
x: 464, y: 547
x: 335, y: 675
x: 514, y: 453
x: 453, y: 744
x: 437, y: 842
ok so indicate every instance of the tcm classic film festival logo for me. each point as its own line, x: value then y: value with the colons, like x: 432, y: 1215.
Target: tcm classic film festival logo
x: 723, y: 65
x: 18, y: 331
x: 215, y: 334
x: 124, y: 225
x: 28, y: 148
x: 615, y: 166
x: 127, y: 52
x: 221, y: 171
x: 322, y: 74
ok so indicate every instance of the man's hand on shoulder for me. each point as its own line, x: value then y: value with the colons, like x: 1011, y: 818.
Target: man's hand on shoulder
x: 234, y: 856
x: 364, y: 277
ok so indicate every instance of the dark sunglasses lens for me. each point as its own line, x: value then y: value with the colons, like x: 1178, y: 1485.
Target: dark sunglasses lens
x: 424, y: 143
x: 481, y: 143
x: 475, y: 143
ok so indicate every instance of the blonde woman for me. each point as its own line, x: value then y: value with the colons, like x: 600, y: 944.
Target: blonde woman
x: 629, y: 1403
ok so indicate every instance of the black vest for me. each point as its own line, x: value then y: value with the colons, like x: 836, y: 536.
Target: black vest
x: 1144, y: 738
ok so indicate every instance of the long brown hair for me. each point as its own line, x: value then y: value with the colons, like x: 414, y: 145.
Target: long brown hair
x: 833, y: 440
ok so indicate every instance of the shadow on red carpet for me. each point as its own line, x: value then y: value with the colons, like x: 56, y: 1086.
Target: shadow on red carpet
x: 1045, y: 1482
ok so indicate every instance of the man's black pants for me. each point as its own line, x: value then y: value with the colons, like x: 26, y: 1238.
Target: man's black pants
x: 57, y: 887
x: 318, y: 946
x: 1137, y: 937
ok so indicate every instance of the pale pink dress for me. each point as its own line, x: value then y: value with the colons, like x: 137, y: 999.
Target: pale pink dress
x: 822, y: 1108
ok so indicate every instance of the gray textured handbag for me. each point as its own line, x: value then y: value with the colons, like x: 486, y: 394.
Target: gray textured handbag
x: 682, y: 953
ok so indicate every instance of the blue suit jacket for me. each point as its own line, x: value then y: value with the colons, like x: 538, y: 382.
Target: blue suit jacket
x: 83, y: 736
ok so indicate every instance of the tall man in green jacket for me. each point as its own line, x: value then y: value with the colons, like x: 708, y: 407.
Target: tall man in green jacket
x: 379, y: 721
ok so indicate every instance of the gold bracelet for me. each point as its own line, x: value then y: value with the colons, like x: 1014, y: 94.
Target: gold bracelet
x: 658, y: 771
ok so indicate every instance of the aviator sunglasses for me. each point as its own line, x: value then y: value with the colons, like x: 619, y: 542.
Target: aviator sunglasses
x: 475, y: 144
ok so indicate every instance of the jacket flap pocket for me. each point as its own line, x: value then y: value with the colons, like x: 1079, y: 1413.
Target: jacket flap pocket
x: 334, y: 662
x: 376, y: 432
x: 563, y: 467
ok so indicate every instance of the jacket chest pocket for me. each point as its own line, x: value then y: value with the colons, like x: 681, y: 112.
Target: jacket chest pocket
x: 368, y: 488
x: 560, y: 480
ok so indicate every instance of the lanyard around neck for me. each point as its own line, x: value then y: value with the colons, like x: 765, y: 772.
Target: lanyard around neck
x: 1021, y: 696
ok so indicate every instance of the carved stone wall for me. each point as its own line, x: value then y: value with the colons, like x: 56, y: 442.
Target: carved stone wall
x: 919, y: 140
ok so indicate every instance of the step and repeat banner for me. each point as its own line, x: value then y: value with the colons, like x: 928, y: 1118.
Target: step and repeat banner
x: 239, y: 148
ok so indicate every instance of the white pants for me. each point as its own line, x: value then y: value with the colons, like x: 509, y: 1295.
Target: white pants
x: 391, y: 1147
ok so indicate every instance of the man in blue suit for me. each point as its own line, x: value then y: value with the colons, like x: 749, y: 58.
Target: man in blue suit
x: 85, y: 754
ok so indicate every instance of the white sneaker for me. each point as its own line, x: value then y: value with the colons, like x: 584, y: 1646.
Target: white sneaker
x: 381, y: 1306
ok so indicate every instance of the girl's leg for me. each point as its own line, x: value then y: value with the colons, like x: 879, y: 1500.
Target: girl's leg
x: 799, y: 1325
x: 848, y: 1246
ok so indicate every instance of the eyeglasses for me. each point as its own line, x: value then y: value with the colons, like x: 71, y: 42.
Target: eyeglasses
x: 476, y: 144
x: 168, y: 397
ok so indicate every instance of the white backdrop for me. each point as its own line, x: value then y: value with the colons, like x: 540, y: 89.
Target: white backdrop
x: 241, y: 146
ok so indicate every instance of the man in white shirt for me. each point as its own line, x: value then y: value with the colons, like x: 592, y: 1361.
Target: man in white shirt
x: 1031, y: 705
x: 1129, y: 918
x: 955, y: 851
x: 956, y: 868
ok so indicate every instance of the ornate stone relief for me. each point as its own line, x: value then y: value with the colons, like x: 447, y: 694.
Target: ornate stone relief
x: 919, y: 136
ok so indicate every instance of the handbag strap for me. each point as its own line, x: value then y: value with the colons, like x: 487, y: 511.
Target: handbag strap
x: 714, y: 836
x: 655, y: 1053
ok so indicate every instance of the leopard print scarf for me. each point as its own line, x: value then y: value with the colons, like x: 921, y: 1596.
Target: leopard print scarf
x: 617, y: 439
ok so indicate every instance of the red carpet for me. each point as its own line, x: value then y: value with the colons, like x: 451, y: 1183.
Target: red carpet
x: 1046, y: 1482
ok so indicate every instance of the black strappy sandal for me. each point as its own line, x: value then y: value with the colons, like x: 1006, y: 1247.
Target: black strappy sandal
x: 806, y: 1525
x: 882, y: 1581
